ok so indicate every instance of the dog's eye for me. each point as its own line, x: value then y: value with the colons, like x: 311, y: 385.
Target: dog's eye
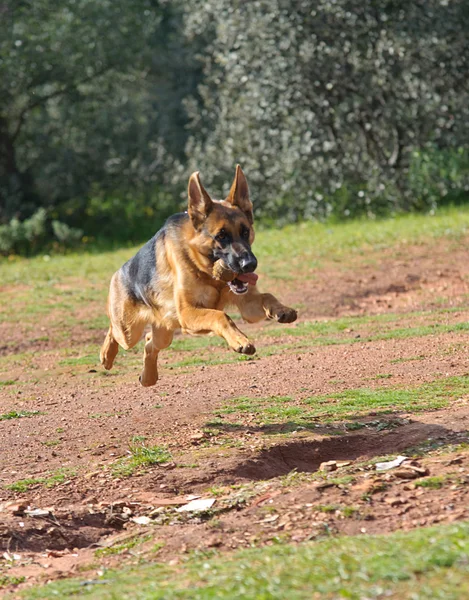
x: 221, y: 235
x: 245, y: 233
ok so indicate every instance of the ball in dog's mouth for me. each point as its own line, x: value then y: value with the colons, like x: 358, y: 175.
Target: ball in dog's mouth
x: 239, y: 285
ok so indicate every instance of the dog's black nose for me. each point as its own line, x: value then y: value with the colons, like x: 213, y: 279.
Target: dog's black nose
x: 248, y: 263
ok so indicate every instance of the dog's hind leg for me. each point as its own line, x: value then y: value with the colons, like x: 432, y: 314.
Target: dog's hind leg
x: 156, y: 340
x: 109, y: 350
x: 127, y: 323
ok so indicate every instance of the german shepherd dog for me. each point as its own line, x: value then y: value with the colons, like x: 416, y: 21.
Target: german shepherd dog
x: 169, y: 284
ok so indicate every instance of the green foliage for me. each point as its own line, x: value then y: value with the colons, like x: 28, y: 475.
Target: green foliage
x: 23, y: 236
x: 333, y: 108
x: 7, y: 580
x: 91, y: 107
x: 31, y: 235
x: 65, y: 234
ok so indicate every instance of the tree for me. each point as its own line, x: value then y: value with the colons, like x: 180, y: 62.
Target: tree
x: 327, y: 103
x: 88, y: 101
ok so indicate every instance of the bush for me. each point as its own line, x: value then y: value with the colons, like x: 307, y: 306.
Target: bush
x: 33, y: 234
x: 23, y: 237
x: 68, y: 236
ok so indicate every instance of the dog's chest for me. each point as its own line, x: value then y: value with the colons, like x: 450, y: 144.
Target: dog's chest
x: 205, y: 296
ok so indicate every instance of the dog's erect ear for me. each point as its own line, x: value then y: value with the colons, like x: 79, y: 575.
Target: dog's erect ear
x: 239, y: 194
x: 200, y: 203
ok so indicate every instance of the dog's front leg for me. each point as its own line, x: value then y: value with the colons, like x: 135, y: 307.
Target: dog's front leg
x: 207, y: 320
x: 255, y: 306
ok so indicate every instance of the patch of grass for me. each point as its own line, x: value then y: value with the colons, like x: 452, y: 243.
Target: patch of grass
x: 121, y: 548
x: 7, y: 382
x: 434, y: 483
x: 350, y: 511
x: 23, y: 485
x: 89, y: 359
x: 140, y: 456
x: 407, y: 359
x: 348, y: 404
x: 59, y: 476
x: 302, y: 331
x: 416, y: 565
x: 7, y: 580
x: 327, y: 508
x: 344, y: 480
x: 430, y: 396
x: 19, y: 414
x: 191, y: 343
x: 53, y: 479
x: 51, y: 443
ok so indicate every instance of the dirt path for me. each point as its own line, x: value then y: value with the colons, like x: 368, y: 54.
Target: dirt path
x: 262, y: 468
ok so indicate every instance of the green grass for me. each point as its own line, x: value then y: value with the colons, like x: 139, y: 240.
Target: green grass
x: 417, y: 565
x: 122, y: 548
x: 140, y: 456
x: 316, y: 331
x: 53, y: 479
x: 19, y: 414
x: 360, y: 237
x: 434, y: 483
x: 89, y: 359
x: 7, y: 580
x: 362, y: 401
x: 350, y: 403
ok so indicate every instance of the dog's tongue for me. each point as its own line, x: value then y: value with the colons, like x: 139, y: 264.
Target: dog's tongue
x: 250, y: 278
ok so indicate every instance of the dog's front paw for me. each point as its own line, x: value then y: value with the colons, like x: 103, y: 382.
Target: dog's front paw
x: 247, y: 348
x: 286, y: 315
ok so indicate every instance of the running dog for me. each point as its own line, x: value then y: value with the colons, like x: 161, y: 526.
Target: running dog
x: 173, y: 283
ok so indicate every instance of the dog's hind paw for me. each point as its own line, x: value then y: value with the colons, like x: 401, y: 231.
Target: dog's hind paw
x: 148, y: 380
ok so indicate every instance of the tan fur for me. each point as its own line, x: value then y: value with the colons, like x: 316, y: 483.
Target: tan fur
x: 188, y: 297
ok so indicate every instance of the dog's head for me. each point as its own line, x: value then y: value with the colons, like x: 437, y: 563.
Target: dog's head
x: 224, y: 228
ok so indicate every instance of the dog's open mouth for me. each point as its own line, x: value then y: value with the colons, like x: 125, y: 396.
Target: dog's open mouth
x: 240, y: 284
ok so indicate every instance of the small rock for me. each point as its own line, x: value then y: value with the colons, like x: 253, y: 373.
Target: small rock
x: 197, y: 505
x: 421, y: 471
x: 406, y: 474
x: 323, y: 485
x: 394, y: 501
x: 392, y: 464
x: 453, y: 461
x: 214, y: 542
x: 141, y: 520
x: 16, y: 508
x: 37, y: 512
x: 328, y: 466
